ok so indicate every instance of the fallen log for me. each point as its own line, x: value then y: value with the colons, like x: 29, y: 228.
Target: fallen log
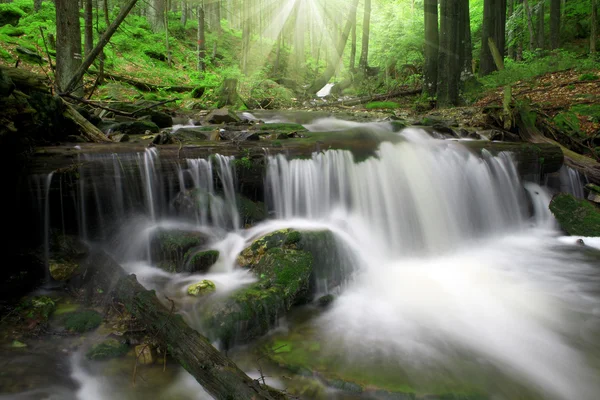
x: 144, y: 86
x: 367, y: 99
x: 86, y: 129
x: 219, y: 376
x: 27, y: 81
x: 531, y: 133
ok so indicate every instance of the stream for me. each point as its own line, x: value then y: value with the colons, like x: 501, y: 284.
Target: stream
x: 457, y: 281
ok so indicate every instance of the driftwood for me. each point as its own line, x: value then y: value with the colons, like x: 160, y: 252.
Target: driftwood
x: 367, y: 99
x: 118, y: 112
x: 144, y: 86
x: 89, y: 131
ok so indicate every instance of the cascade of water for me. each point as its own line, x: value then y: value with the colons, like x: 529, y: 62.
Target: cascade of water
x: 571, y: 181
x: 416, y: 196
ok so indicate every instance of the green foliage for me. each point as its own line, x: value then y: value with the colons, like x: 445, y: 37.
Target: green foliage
x: 82, y: 321
x: 589, y: 110
x: 568, y: 122
x: 375, y: 105
x: 588, y: 77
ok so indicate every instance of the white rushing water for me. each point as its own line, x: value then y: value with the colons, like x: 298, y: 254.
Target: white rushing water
x: 458, y: 264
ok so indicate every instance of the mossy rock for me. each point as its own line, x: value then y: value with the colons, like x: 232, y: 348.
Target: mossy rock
x: 201, y: 261
x: 61, y: 270
x: 169, y: 247
x: 284, y: 279
x: 576, y: 217
x: 10, y: 14
x: 201, y: 288
x: 281, y: 127
x: 137, y: 127
x: 82, y: 321
x: 110, y: 348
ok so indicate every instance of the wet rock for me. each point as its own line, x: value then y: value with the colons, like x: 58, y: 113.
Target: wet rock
x: 222, y: 116
x: 201, y: 288
x: 82, y: 321
x: 170, y: 247
x: 325, y: 301
x: 163, y: 138
x: 201, y: 261
x: 120, y: 138
x: 200, y: 133
x: 504, y: 136
x: 162, y: 120
x: 61, y: 270
x: 35, y: 312
x: 251, y: 212
x: 145, y: 354
x: 110, y: 348
x: 594, y: 193
x: 576, y: 217
x: 136, y: 127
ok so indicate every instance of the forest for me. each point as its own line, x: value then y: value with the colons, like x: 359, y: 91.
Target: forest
x: 299, y: 199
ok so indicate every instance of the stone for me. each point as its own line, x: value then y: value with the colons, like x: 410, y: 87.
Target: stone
x: 145, y: 354
x: 325, y: 301
x: 61, y: 270
x: 201, y: 288
x: 196, y: 134
x: 109, y: 348
x: 222, y: 116
x: 82, y: 321
x: 202, y: 261
x: 30, y: 54
x: 170, y: 248
x: 120, y: 138
x: 136, y: 127
x: 162, y: 138
x: 594, y: 193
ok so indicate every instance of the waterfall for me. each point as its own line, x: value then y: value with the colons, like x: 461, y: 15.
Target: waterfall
x: 420, y: 195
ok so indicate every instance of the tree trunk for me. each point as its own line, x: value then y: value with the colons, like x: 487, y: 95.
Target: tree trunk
x: 430, y: 76
x: 89, y: 27
x: 540, y: 26
x: 353, y: 47
x: 245, y: 36
x: 167, y: 44
x: 37, y: 5
x: 184, y: 12
x: 157, y: 15
x: 68, y: 45
x: 494, y: 26
x: 106, y: 12
x: 512, y: 52
x: 466, y: 54
x: 554, y: 24
x: 363, y: 63
x: 449, y: 55
x: 529, y: 15
x: 98, y: 49
x: 201, y: 43
x: 338, y: 53
x: 593, y: 26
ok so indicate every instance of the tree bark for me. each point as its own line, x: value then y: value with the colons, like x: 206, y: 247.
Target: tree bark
x: 353, y: 47
x: 430, y: 75
x: 494, y: 26
x: 184, y: 12
x: 89, y: 27
x: 68, y: 46
x: 37, y: 5
x: 554, y: 24
x: 466, y: 44
x: 363, y: 63
x: 529, y: 15
x: 157, y: 15
x: 201, y: 40
x: 86, y: 129
x: 83, y: 67
x: 449, y: 55
x: 540, y: 34
x: 594, y: 27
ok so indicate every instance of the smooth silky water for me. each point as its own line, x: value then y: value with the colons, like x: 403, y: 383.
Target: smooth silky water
x: 458, y: 278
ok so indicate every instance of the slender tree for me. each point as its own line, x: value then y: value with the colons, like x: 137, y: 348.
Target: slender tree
x: 431, y: 48
x: 555, y: 8
x: 88, y: 26
x: 37, y: 5
x: 363, y: 63
x: 353, y: 47
x: 201, y: 40
x: 529, y: 15
x: 156, y: 15
x: 594, y: 26
x: 449, y: 54
x: 494, y: 27
x: 540, y: 34
x: 68, y: 44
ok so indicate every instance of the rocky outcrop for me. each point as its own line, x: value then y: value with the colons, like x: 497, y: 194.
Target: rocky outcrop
x: 576, y: 217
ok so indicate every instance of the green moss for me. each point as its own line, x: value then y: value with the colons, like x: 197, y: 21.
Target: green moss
x: 171, y: 248
x: 284, y: 276
x: 10, y: 14
x: 385, y: 105
x: 588, y: 110
x: 568, y: 123
x: 110, y: 348
x: 201, y: 288
x: 282, y: 127
x: 82, y: 321
x: 576, y: 217
x: 38, y: 308
x: 588, y: 77
x: 250, y: 211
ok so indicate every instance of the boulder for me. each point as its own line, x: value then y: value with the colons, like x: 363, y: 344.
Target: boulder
x: 594, y: 193
x: 82, y: 321
x: 201, y: 261
x: 201, y: 288
x: 576, y: 217
x: 283, y: 272
x: 109, y: 348
x: 136, y: 127
x: 222, y: 116
x: 145, y: 354
x: 61, y: 270
x: 161, y: 119
x: 120, y: 138
x: 199, y: 133
x: 10, y: 15
x: 170, y: 247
